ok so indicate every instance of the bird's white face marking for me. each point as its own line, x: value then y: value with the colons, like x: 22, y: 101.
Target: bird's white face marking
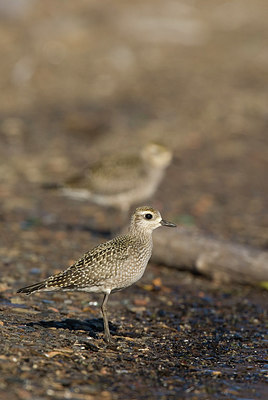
x: 146, y: 218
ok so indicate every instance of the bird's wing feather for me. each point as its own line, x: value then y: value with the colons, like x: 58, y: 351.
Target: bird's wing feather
x: 94, y: 267
x: 109, y: 177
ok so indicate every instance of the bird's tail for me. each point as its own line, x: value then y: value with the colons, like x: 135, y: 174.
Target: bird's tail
x: 33, y: 288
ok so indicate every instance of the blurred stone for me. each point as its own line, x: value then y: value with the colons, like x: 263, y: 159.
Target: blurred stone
x: 10, y: 9
x: 12, y: 127
x: 22, y: 71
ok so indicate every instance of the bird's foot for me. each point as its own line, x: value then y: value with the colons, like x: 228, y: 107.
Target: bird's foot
x: 110, y: 343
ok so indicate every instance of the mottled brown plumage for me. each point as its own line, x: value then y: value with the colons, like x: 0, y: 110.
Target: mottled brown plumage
x: 120, y: 181
x: 111, y: 266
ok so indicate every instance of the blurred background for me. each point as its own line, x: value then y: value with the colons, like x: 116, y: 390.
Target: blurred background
x: 86, y: 79
x: 82, y: 80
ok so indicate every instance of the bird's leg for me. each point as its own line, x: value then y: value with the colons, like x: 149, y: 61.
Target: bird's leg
x: 107, y: 336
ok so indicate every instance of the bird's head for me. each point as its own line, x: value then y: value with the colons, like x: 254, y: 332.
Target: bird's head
x: 147, y: 219
x: 157, y: 155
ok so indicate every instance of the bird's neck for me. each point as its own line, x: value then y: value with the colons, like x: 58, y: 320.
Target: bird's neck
x: 155, y: 174
x: 143, y: 235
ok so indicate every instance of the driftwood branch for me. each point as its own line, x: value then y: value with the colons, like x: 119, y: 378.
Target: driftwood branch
x: 219, y: 260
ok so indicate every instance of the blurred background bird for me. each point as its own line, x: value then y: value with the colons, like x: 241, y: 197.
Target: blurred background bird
x: 119, y: 181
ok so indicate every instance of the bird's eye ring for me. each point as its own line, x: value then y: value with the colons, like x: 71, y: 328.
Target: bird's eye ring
x: 148, y: 216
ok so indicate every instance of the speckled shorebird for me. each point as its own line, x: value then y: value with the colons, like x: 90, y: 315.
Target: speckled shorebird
x: 111, y: 266
x: 120, y: 181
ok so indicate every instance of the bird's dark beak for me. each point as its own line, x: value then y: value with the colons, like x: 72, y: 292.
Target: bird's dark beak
x: 166, y: 223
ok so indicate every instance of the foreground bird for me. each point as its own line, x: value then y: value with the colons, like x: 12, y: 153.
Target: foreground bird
x: 111, y: 266
x: 119, y: 182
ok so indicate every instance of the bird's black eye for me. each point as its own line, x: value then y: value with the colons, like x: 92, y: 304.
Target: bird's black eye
x: 148, y: 216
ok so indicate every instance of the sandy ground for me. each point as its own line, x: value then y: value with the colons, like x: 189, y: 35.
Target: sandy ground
x: 82, y: 80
